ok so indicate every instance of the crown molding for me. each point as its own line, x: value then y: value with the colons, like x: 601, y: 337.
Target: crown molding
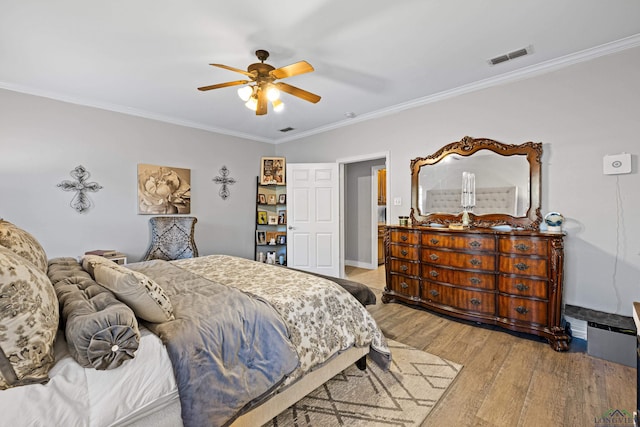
x: 527, y: 72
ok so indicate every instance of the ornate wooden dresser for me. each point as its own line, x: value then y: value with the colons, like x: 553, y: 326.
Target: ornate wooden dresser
x: 511, y: 279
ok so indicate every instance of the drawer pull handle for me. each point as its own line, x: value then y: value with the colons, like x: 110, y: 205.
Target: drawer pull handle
x: 522, y: 266
x: 475, y: 244
x: 522, y: 310
x: 404, y: 238
x: 476, y: 262
x: 433, y: 273
x: 434, y: 241
x: 521, y: 247
x: 404, y: 252
x: 434, y: 293
x: 475, y: 280
x: 434, y: 257
x: 404, y: 285
x: 404, y: 268
x: 475, y: 301
x: 521, y: 287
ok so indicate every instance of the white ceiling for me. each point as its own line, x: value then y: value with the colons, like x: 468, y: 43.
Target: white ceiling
x: 371, y: 57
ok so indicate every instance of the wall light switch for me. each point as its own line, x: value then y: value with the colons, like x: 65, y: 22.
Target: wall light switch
x: 616, y: 164
x: 397, y: 201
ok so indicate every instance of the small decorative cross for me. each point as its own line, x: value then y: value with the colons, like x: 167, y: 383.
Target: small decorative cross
x: 80, y: 201
x: 224, y: 180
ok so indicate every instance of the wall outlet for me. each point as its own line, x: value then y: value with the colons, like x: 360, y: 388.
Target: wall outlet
x: 397, y: 201
x: 616, y: 164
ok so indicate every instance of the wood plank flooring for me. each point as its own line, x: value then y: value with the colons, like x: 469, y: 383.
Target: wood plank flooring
x: 507, y: 380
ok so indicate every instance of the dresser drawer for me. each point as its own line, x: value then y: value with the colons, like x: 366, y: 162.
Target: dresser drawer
x: 459, y: 278
x: 523, y: 287
x: 404, y: 267
x: 404, y: 236
x: 476, y: 301
x: 465, y: 241
x: 405, y: 252
x: 523, y: 246
x: 458, y: 259
x: 405, y: 285
x: 522, y: 309
x: 523, y: 265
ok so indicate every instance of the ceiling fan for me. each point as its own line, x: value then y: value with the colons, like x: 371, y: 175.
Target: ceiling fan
x: 262, y: 86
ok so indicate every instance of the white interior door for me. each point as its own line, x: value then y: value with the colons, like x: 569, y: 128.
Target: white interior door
x: 313, y: 219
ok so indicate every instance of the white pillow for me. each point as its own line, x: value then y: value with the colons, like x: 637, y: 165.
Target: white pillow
x: 145, y: 297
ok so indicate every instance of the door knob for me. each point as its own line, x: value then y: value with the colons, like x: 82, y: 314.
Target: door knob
x: 291, y: 227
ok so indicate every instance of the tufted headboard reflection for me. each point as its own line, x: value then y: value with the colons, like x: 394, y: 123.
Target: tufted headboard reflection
x: 488, y: 200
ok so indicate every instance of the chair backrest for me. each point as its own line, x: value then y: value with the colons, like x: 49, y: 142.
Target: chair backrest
x: 172, y: 237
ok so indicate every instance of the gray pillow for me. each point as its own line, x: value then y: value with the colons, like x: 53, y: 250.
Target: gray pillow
x: 145, y: 297
x: 101, y: 331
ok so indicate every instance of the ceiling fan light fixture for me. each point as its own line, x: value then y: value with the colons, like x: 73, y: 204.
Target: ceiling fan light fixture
x: 252, y: 103
x: 277, y: 105
x: 273, y: 93
x: 245, y: 93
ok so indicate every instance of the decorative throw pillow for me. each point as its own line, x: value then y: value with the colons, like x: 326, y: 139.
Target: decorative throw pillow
x: 28, y: 322
x: 22, y: 243
x: 101, y: 331
x: 145, y: 297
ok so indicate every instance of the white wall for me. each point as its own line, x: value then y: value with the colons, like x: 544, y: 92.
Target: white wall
x: 580, y: 113
x: 42, y: 140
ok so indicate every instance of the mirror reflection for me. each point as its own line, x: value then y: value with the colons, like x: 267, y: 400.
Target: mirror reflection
x: 478, y: 183
x: 501, y: 184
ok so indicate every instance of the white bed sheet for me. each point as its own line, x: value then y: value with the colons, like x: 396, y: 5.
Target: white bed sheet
x: 76, y: 396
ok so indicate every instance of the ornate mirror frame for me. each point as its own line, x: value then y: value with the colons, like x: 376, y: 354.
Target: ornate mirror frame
x: 467, y: 147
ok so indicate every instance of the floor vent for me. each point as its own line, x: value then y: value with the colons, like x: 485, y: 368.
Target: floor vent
x: 287, y: 129
x: 511, y: 55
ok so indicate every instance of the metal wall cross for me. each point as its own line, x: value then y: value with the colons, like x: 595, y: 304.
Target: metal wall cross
x: 225, y: 180
x: 80, y: 201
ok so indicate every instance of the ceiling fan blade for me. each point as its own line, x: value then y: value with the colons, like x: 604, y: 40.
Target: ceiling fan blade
x: 237, y: 70
x: 219, y: 85
x: 262, y: 103
x: 292, y: 70
x: 300, y: 93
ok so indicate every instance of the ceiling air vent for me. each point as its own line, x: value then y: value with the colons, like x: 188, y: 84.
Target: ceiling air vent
x: 511, y: 55
x: 287, y: 129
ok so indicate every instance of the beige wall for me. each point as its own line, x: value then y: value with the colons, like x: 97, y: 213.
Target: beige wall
x: 42, y: 140
x: 580, y: 113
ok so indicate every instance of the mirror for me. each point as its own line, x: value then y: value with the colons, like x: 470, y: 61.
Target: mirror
x: 503, y: 181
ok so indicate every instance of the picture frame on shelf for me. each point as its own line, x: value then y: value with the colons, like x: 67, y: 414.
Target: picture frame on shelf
x: 271, y: 200
x: 262, y: 218
x: 272, y: 171
x: 271, y: 257
x: 282, y: 199
x: 261, y: 237
x: 262, y: 199
x: 273, y: 220
x: 271, y: 237
x: 281, y: 239
x: 282, y: 216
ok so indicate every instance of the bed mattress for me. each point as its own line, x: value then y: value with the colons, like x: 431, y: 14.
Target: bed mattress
x: 93, y: 398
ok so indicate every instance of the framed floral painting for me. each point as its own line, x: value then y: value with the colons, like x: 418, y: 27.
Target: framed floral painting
x: 163, y: 190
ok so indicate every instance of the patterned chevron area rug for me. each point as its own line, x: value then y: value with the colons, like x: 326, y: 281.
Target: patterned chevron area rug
x: 403, y: 396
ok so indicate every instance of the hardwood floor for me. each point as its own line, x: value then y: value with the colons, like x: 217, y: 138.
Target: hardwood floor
x: 507, y: 380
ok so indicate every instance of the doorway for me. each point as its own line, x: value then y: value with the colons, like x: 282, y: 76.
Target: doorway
x: 361, y: 213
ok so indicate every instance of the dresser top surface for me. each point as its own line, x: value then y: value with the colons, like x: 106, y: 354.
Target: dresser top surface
x: 475, y: 230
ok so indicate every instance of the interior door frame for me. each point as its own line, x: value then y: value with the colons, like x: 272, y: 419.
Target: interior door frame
x: 341, y: 164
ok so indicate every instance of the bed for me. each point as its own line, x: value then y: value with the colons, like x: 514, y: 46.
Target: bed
x: 213, y: 340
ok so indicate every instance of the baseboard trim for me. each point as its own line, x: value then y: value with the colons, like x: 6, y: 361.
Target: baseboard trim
x: 360, y: 264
